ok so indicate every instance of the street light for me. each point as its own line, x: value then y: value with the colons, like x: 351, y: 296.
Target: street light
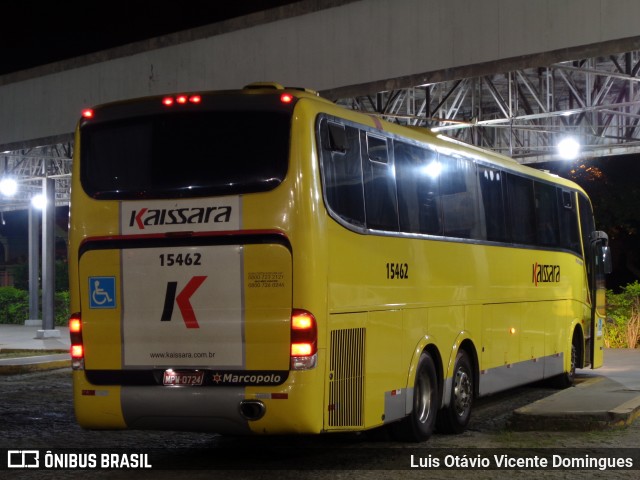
x: 8, y: 187
x: 39, y: 201
x: 568, y: 148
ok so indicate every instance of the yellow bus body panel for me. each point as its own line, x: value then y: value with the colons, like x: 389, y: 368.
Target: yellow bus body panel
x: 97, y: 407
x: 379, y: 300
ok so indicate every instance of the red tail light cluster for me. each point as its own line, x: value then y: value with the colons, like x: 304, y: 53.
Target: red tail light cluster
x: 181, y: 99
x: 304, y: 340
x: 77, y: 345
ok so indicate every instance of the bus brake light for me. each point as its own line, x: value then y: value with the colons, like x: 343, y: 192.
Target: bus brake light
x: 77, y: 352
x: 77, y: 344
x: 304, y: 340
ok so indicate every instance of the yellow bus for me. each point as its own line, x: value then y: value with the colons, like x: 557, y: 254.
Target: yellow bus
x: 264, y: 261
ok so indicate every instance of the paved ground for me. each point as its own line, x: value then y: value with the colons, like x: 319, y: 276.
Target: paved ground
x: 594, y: 418
x: 609, y: 396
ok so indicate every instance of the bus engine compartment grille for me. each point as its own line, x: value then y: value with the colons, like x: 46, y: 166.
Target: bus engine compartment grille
x: 346, y: 378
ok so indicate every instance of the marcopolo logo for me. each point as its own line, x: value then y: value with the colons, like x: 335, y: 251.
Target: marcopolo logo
x: 545, y: 274
x: 244, y: 377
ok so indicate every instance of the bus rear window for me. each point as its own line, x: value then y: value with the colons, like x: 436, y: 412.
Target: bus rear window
x: 185, y: 154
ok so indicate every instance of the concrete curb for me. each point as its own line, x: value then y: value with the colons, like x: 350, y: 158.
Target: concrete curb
x: 630, y: 411
x: 17, y: 365
x: 573, y: 409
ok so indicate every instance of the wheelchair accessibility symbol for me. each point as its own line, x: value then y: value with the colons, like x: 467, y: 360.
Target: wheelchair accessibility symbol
x: 102, y: 292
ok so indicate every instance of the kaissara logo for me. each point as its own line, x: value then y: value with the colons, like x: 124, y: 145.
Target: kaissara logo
x: 545, y: 274
x: 145, y: 217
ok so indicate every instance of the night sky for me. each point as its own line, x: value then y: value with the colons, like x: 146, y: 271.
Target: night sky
x: 35, y: 33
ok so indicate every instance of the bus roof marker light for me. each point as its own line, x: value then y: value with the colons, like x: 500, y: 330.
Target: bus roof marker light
x: 167, y: 101
x: 195, y: 99
x: 87, y: 113
x: 181, y: 99
x: 286, y: 98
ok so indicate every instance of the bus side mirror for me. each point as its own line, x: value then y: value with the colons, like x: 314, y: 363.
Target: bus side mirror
x: 600, y: 241
x: 605, y: 255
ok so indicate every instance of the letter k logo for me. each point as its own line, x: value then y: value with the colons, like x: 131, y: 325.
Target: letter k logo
x: 183, y: 300
x: 139, y: 218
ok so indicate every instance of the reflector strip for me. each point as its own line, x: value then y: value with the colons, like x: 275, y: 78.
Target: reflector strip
x: 95, y: 393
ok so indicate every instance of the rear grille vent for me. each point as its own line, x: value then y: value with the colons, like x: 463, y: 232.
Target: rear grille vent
x: 346, y: 381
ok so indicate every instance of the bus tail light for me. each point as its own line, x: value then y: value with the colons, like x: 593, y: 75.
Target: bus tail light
x: 77, y: 345
x: 304, y: 340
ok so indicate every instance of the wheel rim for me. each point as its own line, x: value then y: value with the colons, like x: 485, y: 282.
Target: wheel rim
x: 423, y: 405
x: 462, y: 392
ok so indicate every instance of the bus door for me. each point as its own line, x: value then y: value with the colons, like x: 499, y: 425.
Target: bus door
x: 600, y: 266
x: 598, y: 263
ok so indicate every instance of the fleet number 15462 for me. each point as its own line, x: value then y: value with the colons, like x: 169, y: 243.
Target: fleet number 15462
x: 397, y: 271
x: 171, y: 259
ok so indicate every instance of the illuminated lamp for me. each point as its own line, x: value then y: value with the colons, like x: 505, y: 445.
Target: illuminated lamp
x: 568, y: 148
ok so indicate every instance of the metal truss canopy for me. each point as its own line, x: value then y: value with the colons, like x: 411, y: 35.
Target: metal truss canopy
x: 30, y: 167
x: 522, y: 113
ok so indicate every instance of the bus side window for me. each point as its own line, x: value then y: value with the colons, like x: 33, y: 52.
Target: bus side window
x: 337, y: 137
x: 569, y: 235
x: 522, y: 207
x: 547, y: 214
x: 342, y: 171
x: 417, y: 172
x: 587, y: 224
x: 493, y: 203
x: 460, y: 198
x: 379, y: 185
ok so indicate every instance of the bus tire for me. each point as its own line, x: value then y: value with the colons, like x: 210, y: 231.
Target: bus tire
x: 455, y: 417
x: 566, y: 379
x: 418, y: 426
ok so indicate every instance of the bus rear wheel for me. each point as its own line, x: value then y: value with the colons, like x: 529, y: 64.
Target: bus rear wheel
x: 566, y: 379
x: 419, y: 425
x: 455, y: 417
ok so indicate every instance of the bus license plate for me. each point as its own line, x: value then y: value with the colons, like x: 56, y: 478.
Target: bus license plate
x: 172, y: 377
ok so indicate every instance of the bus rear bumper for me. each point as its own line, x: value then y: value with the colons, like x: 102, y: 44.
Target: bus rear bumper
x: 224, y: 410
